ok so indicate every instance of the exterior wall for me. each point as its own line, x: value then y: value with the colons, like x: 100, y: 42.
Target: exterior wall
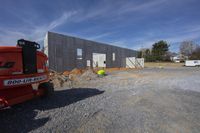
x: 62, y: 52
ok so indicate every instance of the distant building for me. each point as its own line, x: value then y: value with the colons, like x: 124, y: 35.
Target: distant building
x: 178, y: 58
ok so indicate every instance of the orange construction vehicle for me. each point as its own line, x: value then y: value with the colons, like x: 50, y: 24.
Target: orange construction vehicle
x: 23, y: 73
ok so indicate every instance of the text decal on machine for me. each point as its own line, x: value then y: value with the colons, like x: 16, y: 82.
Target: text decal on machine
x: 22, y: 81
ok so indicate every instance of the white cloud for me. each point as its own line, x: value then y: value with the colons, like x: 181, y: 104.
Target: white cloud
x: 112, y: 9
x: 192, y: 36
x: 35, y: 33
x: 39, y: 32
x: 10, y: 37
x: 147, y: 41
x: 61, y: 20
x: 120, y: 43
x: 99, y: 36
x: 132, y: 7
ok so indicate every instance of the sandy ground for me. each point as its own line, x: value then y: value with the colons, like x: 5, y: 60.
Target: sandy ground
x: 151, y: 100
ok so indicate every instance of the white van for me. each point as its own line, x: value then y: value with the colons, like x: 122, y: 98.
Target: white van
x: 192, y: 63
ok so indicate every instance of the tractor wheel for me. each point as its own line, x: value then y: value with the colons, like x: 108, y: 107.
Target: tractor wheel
x: 48, y: 89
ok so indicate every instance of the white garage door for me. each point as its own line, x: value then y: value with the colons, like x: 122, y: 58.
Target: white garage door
x: 99, y: 60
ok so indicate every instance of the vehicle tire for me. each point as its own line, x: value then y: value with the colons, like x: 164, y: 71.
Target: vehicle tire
x: 48, y: 89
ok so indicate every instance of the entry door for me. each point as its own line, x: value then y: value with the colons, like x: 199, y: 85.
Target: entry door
x: 99, y: 60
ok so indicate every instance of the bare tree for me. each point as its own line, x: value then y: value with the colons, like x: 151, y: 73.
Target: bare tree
x: 196, y: 53
x: 187, y: 47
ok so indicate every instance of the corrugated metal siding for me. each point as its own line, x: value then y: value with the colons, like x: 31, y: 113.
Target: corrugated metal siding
x: 62, y: 52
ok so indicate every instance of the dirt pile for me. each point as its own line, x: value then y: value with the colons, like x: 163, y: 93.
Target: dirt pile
x: 76, y: 71
x: 73, y: 74
x: 88, y: 75
x: 71, y: 77
x: 57, y: 79
x: 66, y: 73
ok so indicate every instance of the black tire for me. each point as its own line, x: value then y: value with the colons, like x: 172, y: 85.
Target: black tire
x: 48, y: 89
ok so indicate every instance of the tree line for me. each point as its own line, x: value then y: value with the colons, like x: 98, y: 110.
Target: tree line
x: 160, y: 51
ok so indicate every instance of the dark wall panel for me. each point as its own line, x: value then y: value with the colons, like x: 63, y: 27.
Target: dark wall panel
x: 62, y: 52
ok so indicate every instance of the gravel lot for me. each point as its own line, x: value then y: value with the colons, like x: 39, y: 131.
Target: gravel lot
x: 140, y: 101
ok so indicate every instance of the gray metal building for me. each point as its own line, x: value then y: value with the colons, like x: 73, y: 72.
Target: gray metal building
x: 66, y: 53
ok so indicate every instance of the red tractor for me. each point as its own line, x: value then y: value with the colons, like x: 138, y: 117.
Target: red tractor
x: 23, y: 73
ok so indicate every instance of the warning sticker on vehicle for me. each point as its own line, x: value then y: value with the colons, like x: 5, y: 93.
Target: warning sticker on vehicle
x: 22, y: 81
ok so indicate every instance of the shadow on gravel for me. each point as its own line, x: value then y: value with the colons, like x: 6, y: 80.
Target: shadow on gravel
x: 23, y: 118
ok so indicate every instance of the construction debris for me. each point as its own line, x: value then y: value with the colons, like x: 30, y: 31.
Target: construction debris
x: 66, y: 73
x: 68, y: 78
x: 78, y: 76
x: 57, y: 79
x: 88, y: 75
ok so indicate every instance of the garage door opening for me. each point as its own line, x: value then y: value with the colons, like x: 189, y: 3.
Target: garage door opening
x: 99, y: 60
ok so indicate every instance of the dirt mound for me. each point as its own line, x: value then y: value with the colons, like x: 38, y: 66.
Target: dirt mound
x: 76, y: 76
x: 88, y: 75
x: 76, y: 71
x: 66, y: 73
x: 57, y: 79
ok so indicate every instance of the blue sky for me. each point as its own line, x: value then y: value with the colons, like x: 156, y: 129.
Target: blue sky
x: 132, y: 24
